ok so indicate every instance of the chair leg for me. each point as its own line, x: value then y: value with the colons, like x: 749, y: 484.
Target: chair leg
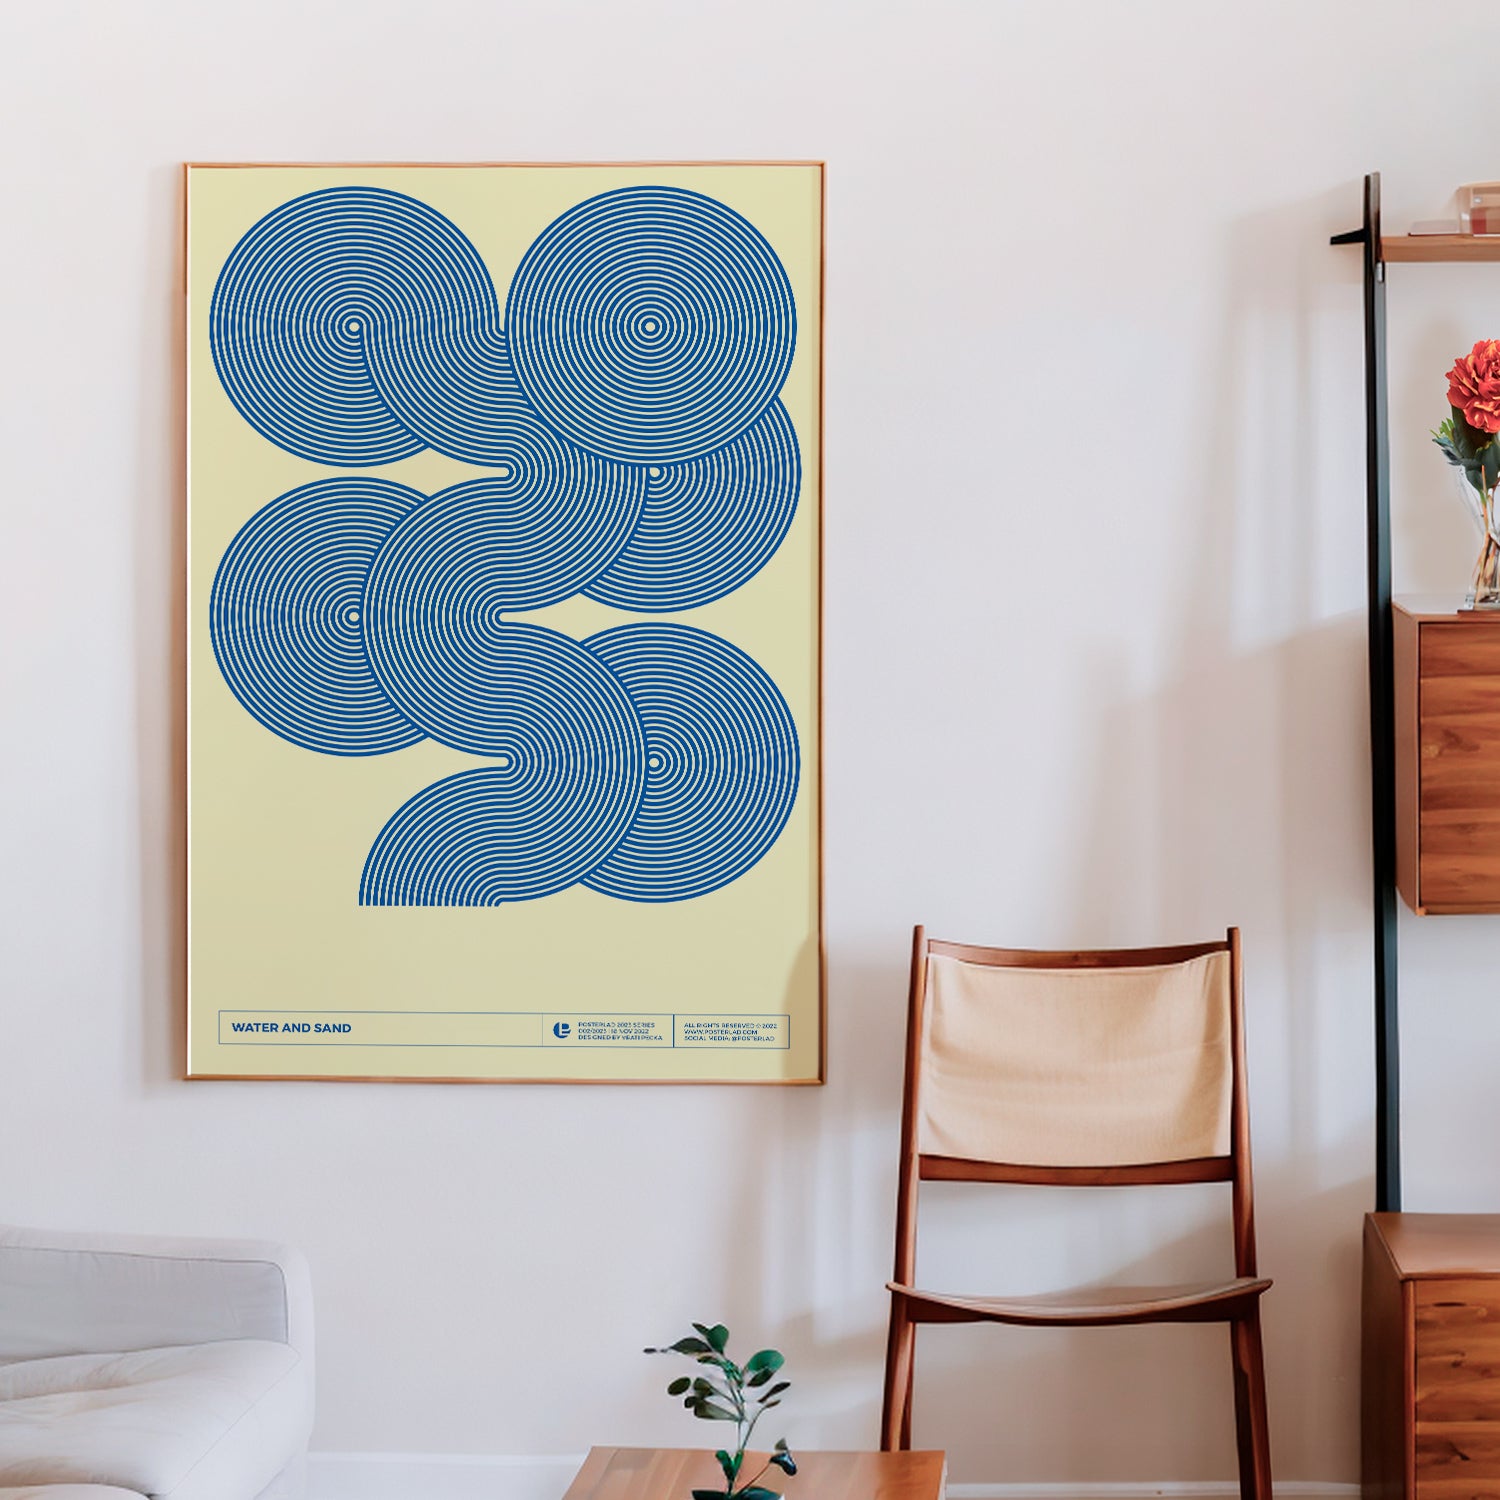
x: 1250, y: 1407
x: 900, y: 1353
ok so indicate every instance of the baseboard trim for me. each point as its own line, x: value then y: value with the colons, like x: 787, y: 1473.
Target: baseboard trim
x: 460, y: 1476
x: 1168, y: 1489
x: 439, y: 1476
x: 1225, y: 1489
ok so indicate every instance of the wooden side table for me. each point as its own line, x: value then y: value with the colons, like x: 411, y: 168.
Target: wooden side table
x: 1430, y: 1388
x: 673, y: 1474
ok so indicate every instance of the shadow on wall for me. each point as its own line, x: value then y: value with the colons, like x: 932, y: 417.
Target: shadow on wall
x: 1433, y: 318
x: 160, y: 566
x: 1226, y: 793
x: 1234, y: 792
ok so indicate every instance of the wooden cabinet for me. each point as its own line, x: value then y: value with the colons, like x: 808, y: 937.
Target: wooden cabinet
x: 1430, y: 1392
x: 1447, y: 681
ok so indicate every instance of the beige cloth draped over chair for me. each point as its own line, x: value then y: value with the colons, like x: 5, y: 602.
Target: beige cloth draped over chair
x: 1093, y: 1069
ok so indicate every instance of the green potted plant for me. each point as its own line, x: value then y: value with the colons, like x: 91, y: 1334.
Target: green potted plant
x: 726, y: 1392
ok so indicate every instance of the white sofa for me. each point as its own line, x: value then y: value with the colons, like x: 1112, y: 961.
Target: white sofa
x: 133, y: 1366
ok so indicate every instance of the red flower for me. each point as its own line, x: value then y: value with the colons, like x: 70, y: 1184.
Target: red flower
x: 1474, y: 386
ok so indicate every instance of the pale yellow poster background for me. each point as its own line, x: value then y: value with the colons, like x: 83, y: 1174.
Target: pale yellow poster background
x: 278, y: 835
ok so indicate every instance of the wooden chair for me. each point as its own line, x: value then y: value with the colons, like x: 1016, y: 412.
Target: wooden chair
x: 1086, y: 1069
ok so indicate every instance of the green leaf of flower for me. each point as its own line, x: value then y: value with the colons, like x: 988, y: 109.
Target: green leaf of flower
x: 689, y: 1346
x: 678, y: 1386
x: 766, y: 1359
x: 1460, y: 434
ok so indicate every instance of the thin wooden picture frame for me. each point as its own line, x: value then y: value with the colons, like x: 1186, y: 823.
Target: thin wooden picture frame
x: 183, y: 708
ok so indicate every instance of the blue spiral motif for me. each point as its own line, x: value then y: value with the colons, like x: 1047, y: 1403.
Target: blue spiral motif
x: 709, y: 525
x: 284, y: 616
x: 455, y: 388
x: 307, y: 286
x: 651, y: 324
x: 434, y: 599
x: 722, y: 762
x: 445, y: 657
x: 512, y: 832
x: 570, y: 771
x: 627, y: 414
x: 531, y: 536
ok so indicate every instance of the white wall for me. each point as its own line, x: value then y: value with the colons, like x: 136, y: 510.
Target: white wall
x: 1095, y: 675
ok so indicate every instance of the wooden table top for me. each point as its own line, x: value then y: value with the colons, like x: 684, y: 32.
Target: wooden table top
x: 673, y: 1474
x: 1445, y: 607
x: 1422, y: 1245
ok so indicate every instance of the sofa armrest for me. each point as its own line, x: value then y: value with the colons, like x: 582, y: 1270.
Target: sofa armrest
x: 66, y: 1293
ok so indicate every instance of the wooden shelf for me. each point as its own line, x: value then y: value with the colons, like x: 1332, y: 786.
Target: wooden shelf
x: 1441, y: 247
x: 1448, y: 607
x: 1446, y: 675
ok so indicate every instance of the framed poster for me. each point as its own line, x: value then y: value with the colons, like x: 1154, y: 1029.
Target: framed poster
x: 503, y: 620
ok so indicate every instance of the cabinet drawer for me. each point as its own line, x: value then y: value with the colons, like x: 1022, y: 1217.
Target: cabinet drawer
x: 1456, y: 1325
x: 1446, y: 675
x: 1459, y: 740
x: 1461, y: 648
x: 1458, y: 1460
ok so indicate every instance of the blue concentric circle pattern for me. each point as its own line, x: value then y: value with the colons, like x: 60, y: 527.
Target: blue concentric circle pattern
x: 433, y: 613
x: 634, y: 451
x: 722, y: 762
x: 284, y: 616
x: 709, y: 525
x: 513, y: 832
x: 454, y: 387
x: 514, y: 541
x: 570, y: 772
x: 474, y: 682
x: 651, y: 324
x: 303, y: 290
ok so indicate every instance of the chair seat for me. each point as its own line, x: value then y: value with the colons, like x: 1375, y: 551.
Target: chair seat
x: 1184, y: 1302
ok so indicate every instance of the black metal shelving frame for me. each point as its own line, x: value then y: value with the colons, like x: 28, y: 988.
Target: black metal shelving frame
x: 1382, y: 704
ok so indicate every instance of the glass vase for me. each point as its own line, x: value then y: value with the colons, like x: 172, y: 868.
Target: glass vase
x: 1484, y: 591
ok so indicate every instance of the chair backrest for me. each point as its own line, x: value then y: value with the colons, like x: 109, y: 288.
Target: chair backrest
x: 1083, y: 1068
